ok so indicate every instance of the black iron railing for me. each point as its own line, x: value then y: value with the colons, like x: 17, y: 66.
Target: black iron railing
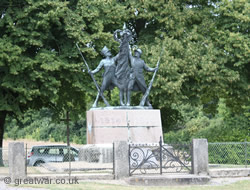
x: 159, y: 158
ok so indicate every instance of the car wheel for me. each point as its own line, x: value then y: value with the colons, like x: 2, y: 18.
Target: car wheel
x: 38, y: 163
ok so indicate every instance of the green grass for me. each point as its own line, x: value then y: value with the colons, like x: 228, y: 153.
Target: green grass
x: 240, y: 185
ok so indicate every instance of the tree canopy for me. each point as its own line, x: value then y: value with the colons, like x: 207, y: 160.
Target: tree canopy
x: 206, y: 52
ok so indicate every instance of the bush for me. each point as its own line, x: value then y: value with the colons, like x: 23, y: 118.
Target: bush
x: 39, y: 125
x: 223, y: 127
x: 229, y: 153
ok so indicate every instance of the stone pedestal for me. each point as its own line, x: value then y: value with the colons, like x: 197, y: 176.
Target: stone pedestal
x: 121, y: 166
x: 200, y: 157
x: 135, y: 126
x: 17, y: 160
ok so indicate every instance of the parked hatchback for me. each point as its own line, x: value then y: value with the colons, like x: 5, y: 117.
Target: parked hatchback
x: 52, y: 153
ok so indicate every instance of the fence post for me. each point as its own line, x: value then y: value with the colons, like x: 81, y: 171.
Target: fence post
x: 160, y: 156
x: 17, y: 160
x: 245, y: 153
x: 121, y: 159
x: 26, y: 161
x: 69, y: 160
x: 200, y: 156
x: 129, y: 156
x: 113, y: 158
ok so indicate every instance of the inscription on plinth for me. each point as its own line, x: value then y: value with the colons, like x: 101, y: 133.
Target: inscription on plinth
x: 107, y: 126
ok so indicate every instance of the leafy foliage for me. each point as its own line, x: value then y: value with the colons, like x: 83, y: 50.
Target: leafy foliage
x: 205, y: 59
x: 39, y: 125
x: 223, y: 127
x: 37, y: 68
x: 229, y: 153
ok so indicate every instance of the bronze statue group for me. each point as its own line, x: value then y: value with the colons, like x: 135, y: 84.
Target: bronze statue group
x: 124, y: 71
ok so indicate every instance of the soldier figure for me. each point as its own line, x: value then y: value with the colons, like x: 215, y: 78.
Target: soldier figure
x: 108, y: 81
x: 137, y: 81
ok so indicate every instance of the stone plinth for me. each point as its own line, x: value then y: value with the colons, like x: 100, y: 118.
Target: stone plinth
x: 136, y: 126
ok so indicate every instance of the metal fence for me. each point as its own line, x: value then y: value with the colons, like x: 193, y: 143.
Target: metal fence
x: 144, y: 158
x: 229, y: 154
x: 159, y: 158
x: 62, y: 159
x: 4, y: 165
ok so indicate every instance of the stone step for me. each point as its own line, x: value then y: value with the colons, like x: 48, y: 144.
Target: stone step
x: 168, y: 180
x: 229, y: 172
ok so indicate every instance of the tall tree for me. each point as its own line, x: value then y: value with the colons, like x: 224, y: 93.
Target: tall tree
x: 231, y: 38
x: 35, y: 64
x: 206, y: 51
x: 39, y: 63
x: 188, y: 66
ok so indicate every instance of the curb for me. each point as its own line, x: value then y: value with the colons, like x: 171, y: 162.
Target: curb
x: 168, y: 180
x: 230, y: 172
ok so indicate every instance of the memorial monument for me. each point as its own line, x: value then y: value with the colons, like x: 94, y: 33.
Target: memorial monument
x: 134, y: 124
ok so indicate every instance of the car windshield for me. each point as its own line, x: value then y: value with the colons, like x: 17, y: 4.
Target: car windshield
x: 54, y: 150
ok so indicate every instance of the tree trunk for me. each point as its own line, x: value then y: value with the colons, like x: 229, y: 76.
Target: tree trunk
x: 2, y: 121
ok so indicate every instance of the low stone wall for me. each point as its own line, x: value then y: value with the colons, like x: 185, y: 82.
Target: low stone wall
x: 116, y: 153
x: 229, y: 172
x: 99, y: 153
x: 168, y: 180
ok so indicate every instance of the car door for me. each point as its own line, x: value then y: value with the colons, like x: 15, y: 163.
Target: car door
x: 59, y: 157
x: 74, y: 152
x: 53, y: 153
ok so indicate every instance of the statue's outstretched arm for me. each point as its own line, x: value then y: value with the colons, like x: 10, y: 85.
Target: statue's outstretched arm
x: 98, y: 68
x: 149, y: 69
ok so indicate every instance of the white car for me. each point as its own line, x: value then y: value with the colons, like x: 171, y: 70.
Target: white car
x: 52, y: 153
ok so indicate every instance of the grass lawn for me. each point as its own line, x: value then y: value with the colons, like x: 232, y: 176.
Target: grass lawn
x: 240, y: 185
